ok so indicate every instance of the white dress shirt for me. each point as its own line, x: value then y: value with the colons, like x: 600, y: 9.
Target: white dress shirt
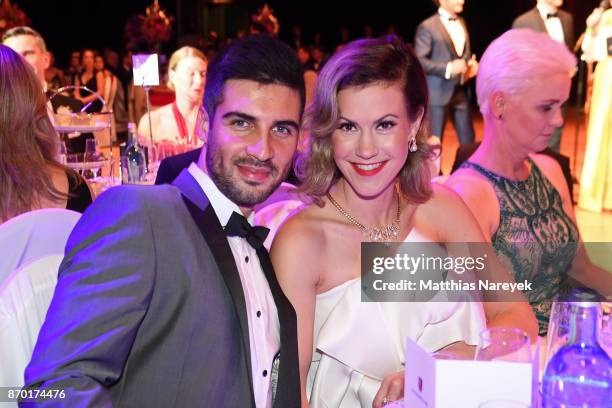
x: 264, y: 327
x: 457, y: 34
x: 455, y: 29
x: 553, y: 24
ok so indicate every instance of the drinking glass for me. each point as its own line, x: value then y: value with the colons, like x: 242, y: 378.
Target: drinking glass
x: 91, y: 155
x: 558, y: 328
x: 503, y: 344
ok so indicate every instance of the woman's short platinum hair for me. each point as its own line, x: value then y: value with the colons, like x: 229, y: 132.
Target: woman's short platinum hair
x: 515, y: 59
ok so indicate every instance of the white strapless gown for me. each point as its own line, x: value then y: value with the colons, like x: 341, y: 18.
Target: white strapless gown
x: 357, y: 343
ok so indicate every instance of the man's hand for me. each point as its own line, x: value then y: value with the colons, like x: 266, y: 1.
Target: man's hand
x: 458, y: 67
x: 391, y: 389
x: 472, y: 68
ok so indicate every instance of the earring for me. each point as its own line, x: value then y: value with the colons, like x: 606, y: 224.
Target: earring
x: 412, y: 145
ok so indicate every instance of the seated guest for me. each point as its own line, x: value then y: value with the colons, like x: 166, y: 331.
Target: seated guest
x: 175, y: 124
x: 91, y: 78
x: 369, y: 170
x: 521, y: 198
x: 31, y: 176
x: 169, y: 285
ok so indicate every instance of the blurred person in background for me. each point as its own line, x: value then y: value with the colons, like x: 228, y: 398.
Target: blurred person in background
x: 91, y: 78
x: 596, y: 181
x: 28, y: 43
x: 114, y: 95
x: 442, y: 43
x: 174, y: 125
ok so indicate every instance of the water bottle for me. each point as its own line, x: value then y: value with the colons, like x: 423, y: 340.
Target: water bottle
x: 580, y: 373
x: 134, y: 160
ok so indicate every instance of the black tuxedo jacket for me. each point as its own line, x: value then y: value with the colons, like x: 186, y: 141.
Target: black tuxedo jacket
x: 533, y: 20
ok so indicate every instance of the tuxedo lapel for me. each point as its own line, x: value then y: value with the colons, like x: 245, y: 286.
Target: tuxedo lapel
x: 538, y: 21
x: 567, y: 25
x: 205, y: 218
x: 439, y: 27
x: 467, y: 49
x: 190, y: 188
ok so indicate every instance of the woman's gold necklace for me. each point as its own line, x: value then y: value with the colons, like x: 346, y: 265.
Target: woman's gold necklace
x: 389, y: 232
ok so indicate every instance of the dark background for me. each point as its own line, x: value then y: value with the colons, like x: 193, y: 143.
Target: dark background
x: 71, y: 24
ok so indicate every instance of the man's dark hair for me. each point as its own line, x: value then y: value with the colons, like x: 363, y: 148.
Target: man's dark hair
x: 258, y: 58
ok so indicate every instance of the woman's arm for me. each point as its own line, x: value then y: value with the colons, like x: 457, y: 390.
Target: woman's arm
x: 582, y: 269
x: 292, y: 245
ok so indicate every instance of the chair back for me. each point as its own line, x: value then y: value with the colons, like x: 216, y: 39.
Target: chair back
x: 24, y: 299
x: 32, y: 235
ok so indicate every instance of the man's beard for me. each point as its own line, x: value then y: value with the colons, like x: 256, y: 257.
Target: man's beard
x: 222, y: 178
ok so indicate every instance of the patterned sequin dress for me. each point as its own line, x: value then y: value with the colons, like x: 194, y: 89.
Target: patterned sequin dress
x: 535, y: 239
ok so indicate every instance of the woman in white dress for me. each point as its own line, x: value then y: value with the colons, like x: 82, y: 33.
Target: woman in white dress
x: 368, y: 166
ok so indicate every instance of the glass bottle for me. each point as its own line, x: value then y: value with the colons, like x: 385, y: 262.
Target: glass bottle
x: 580, y: 373
x: 134, y: 160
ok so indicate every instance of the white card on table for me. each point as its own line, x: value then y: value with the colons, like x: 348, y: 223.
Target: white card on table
x: 146, y: 69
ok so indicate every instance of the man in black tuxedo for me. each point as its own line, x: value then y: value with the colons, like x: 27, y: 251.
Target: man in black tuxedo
x: 547, y: 17
x: 442, y: 43
x: 166, y: 296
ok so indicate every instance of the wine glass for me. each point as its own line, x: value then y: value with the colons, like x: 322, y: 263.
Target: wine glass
x: 558, y: 328
x: 91, y: 155
x: 503, y: 344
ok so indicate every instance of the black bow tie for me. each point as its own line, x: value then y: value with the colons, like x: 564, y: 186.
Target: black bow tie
x: 452, y: 18
x: 238, y: 226
x: 551, y: 15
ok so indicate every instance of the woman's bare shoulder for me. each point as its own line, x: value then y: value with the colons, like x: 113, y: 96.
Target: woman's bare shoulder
x: 303, y: 226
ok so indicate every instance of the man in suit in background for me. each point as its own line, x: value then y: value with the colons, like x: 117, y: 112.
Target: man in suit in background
x: 28, y: 43
x: 442, y: 43
x: 166, y: 296
x: 547, y: 17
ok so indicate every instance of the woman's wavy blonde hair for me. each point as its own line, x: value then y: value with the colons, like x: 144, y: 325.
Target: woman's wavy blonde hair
x: 361, y: 63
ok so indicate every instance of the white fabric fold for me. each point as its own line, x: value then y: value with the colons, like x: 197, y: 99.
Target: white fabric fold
x: 361, y: 342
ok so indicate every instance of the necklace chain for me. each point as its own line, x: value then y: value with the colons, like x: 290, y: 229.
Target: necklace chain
x: 389, y: 232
